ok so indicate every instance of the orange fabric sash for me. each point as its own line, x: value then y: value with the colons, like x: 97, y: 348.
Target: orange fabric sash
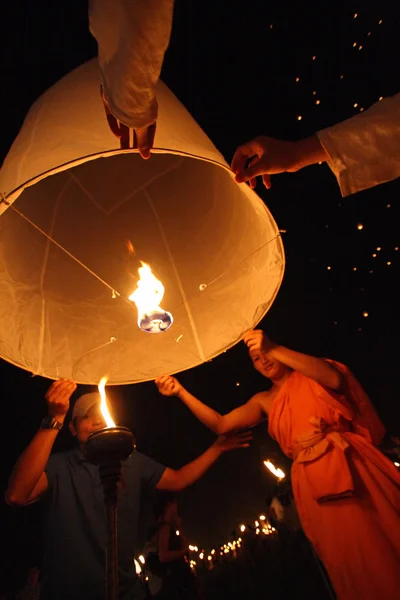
x: 322, y: 453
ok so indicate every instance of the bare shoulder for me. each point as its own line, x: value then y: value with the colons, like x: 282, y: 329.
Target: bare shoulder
x: 264, y: 400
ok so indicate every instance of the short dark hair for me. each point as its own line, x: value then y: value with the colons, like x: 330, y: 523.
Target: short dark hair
x: 162, y: 501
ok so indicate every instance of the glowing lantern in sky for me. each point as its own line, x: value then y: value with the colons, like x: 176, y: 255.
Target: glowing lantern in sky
x: 70, y: 200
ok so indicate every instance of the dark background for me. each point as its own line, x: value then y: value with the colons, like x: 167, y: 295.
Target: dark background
x: 235, y: 69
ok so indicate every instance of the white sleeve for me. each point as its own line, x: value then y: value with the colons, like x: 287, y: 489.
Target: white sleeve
x: 365, y: 149
x: 132, y: 37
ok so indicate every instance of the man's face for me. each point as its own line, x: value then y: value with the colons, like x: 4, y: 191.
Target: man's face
x: 91, y: 422
x: 266, y: 365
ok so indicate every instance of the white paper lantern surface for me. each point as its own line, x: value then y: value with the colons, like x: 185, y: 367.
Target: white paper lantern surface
x: 72, y: 201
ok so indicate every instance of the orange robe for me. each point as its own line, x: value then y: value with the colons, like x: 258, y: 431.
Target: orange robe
x: 347, y: 492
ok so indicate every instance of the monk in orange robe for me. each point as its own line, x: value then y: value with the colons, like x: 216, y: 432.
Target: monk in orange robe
x: 347, y: 492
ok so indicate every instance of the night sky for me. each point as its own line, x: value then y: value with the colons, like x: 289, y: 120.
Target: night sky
x: 241, y: 74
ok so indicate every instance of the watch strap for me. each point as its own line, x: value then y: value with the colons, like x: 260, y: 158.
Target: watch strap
x: 50, y: 423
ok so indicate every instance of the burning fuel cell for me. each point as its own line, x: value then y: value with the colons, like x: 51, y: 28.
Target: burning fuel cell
x: 148, y: 297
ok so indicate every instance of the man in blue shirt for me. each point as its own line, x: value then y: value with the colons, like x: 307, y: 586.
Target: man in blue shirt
x: 75, y: 522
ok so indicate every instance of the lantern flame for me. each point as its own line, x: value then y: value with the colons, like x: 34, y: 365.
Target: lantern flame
x: 277, y: 472
x: 103, y: 403
x: 149, y: 291
x: 147, y: 297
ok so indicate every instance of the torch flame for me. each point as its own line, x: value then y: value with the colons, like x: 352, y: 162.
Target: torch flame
x: 103, y: 403
x: 277, y: 472
x: 149, y: 291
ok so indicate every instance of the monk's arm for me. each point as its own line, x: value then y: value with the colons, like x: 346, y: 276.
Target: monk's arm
x: 248, y: 415
x: 316, y: 368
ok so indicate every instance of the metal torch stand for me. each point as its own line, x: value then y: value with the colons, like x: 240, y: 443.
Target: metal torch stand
x: 107, y: 448
x: 109, y: 475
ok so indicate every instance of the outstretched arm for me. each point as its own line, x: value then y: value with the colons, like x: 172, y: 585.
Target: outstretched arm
x: 177, y: 480
x: 361, y: 151
x: 243, y: 417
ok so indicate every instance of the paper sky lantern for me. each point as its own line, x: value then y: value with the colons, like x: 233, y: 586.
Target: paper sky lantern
x: 72, y: 205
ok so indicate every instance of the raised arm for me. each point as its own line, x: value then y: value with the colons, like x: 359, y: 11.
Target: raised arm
x: 243, y: 417
x: 132, y: 37
x: 316, y: 368
x: 28, y: 481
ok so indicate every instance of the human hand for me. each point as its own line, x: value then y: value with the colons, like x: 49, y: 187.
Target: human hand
x: 143, y: 138
x: 267, y: 156
x: 257, y: 341
x: 234, y: 440
x: 168, y: 385
x: 58, y: 396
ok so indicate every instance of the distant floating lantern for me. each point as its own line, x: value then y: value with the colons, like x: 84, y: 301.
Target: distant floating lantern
x: 71, y: 198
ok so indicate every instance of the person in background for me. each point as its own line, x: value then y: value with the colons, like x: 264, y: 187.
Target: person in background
x: 347, y: 493
x: 362, y: 151
x: 132, y: 38
x: 275, y: 510
x: 74, y: 511
x: 170, y: 576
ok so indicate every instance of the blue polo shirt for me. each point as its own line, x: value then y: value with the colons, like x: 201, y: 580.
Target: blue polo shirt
x: 75, y: 526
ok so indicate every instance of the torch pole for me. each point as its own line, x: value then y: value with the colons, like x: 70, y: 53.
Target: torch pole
x: 112, y: 553
x: 109, y: 475
x: 107, y: 448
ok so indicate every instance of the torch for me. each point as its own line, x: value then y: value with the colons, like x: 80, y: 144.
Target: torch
x: 107, y: 448
x: 279, y: 474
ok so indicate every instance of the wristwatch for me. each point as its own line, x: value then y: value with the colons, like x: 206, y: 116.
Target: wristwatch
x: 50, y: 423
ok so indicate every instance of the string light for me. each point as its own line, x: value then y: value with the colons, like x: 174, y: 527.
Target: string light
x: 365, y: 314
x: 299, y: 117
x: 360, y: 226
